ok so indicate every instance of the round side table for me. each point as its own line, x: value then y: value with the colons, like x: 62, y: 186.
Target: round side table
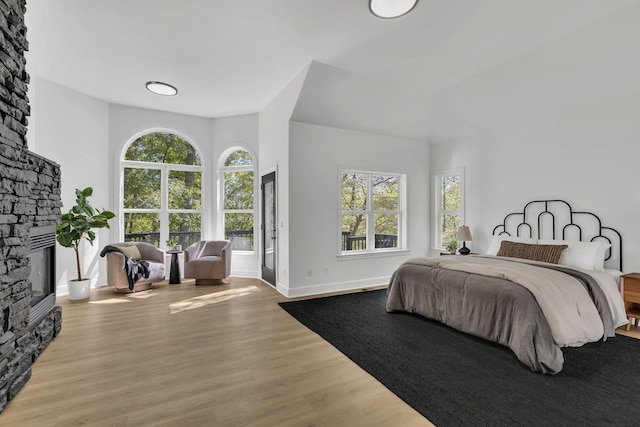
x: 174, y: 272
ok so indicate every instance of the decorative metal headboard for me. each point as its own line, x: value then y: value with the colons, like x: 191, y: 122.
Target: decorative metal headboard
x: 586, y: 226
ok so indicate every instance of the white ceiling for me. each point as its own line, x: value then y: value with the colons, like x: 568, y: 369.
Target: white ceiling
x: 231, y: 57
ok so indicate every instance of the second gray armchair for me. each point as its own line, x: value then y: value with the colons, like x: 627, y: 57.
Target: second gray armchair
x: 208, y: 261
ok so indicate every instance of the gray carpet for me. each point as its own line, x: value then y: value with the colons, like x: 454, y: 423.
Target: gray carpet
x: 454, y: 379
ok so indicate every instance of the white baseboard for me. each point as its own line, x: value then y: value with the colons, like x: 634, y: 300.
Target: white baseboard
x: 331, y: 287
x: 280, y: 287
x: 245, y: 273
x: 63, y: 289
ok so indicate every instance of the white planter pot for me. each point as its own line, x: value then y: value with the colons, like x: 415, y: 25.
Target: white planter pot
x: 79, y: 289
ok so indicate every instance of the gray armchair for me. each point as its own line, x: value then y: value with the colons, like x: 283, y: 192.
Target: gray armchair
x: 209, y: 262
x: 116, y: 275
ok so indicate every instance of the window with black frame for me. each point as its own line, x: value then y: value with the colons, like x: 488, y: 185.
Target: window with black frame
x: 372, y: 212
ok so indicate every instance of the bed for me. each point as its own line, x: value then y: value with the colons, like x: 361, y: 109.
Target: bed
x: 550, y: 279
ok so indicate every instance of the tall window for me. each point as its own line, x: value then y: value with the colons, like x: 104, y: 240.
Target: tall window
x: 162, y: 191
x: 449, y: 202
x: 238, y: 194
x: 372, y: 212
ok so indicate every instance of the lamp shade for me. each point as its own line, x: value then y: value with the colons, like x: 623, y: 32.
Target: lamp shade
x: 391, y: 8
x: 464, y: 234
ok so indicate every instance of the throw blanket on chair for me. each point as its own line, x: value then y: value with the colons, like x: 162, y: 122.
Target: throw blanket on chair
x: 133, y: 268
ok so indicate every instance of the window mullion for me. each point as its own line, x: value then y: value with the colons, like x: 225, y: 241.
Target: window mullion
x: 237, y: 169
x: 140, y: 165
x: 133, y: 210
x: 354, y: 212
x: 164, y: 204
x: 370, y: 215
x: 248, y: 211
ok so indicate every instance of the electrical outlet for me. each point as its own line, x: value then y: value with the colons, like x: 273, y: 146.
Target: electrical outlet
x: 309, y: 272
x: 326, y: 270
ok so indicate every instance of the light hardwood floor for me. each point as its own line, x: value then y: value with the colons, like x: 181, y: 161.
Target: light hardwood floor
x: 208, y: 355
x: 198, y: 356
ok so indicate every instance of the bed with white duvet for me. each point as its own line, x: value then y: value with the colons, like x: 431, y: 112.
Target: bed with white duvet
x: 533, y: 295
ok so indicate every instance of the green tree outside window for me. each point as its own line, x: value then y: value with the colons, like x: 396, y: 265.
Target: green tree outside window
x: 162, y: 191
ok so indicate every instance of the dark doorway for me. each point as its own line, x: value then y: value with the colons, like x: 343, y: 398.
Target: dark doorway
x: 269, y: 228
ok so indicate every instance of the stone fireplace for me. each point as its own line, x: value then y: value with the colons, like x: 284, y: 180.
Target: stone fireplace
x: 29, y: 198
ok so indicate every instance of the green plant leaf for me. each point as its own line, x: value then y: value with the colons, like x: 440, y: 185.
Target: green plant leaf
x: 79, y: 222
x: 65, y: 240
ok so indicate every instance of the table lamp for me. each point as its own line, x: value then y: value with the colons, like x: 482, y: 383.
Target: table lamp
x: 464, y: 234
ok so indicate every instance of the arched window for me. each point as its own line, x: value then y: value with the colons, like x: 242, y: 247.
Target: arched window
x: 238, y: 195
x: 162, y: 191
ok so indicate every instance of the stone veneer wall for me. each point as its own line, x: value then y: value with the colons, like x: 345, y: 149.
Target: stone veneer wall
x: 29, y: 196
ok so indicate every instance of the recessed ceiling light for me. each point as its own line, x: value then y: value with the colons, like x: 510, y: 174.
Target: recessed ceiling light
x: 162, y: 88
x: 391, y: 8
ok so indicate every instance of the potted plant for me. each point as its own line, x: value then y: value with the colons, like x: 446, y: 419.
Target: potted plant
x: 452, y: 246
x: 172, y: 243
x: 76, y: 225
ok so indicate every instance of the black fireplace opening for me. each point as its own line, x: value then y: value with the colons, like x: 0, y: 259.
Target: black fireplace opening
x: 43, y: 271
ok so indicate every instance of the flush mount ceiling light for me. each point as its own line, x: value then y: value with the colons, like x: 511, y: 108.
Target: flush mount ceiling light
x: 162, y: 88
x: 391, y: 8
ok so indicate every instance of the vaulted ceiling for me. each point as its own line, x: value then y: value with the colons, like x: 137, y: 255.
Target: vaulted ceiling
x: 477, y: 62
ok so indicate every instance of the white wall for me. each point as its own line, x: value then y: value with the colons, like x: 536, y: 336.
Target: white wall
x: 343, y: 99
x: 316, y: 154
x: 274, y: 156
x: 560, y: 120
x: 72, y: 130
x: 227, y: 133
x: 588, y: 158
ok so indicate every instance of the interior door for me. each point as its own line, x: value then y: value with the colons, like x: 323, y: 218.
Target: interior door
x: 268, y: 226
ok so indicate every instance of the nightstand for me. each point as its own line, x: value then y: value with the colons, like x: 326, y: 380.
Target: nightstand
x: 630, y: 289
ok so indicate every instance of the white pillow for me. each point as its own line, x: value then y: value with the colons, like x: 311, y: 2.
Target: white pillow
x: 602, y: 252
x: 496, y: 240
x: 584, y: 255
